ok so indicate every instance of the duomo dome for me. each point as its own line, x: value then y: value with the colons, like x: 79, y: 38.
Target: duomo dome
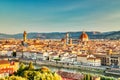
x: 84, y: 37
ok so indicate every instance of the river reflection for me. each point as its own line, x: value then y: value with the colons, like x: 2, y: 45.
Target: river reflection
x: 55, y: 69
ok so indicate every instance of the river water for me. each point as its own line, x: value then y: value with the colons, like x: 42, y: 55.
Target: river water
x: 55, y: 69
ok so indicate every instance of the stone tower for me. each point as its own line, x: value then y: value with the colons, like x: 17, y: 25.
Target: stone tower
x: 67, y: 38
x: 25, y: 36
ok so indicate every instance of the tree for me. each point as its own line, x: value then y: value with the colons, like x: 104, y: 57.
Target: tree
x: 88, y: 75
x: 30, y: 67
x: 2, y: 79
x: 22, y: 66
x: 44, y: 69
x: 16, y: 78
x: 14, y: 53
x: 21, y: 69
x: 29, y: 73
x: 13, y: 78
x: 57, y: 59
x: 57, y: 77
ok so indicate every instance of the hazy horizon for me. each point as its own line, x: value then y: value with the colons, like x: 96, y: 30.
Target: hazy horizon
x: 59, y: 16
x: 56, y: 32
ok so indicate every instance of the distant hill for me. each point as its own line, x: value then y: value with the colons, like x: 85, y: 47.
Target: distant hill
x: 59, y: 35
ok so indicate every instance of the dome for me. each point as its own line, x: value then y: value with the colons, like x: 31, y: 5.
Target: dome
x: 84, y: 37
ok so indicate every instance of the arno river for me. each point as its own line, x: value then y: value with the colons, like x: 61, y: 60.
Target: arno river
x: 68, y: 69
x: 55, y: 69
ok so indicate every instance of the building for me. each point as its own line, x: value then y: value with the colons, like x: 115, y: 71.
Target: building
x: 7, y: 67
x: 112, y: 60
x: 93, y: 61
x: 82, y: 58
x: 2, y: 75
x: 67, y: 38
x: 63, y: 40
x: 25, y: 36
x: 70, y: 41
x: 115, y: 59
x: 90, y: 60
x: 104, y: 59
x: 84, y: 37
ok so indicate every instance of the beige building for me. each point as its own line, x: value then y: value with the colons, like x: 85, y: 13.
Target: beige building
x: 109, y: 59
x: 90, y: 60
x: 82, y: 58
x: 93, y: 61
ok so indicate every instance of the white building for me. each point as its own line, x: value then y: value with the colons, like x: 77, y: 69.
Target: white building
x: 90, y: 60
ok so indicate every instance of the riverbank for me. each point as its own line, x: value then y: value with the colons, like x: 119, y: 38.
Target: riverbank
x: 68, y: 66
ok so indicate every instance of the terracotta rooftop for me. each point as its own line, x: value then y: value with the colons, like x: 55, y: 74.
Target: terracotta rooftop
x: 82, y: 55
x: 90, y: 58
x: 4, y: 62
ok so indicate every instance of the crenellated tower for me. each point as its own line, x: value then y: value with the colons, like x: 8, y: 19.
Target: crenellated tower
x: 25, y: 36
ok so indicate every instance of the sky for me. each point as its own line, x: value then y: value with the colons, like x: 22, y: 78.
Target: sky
x: 59, y: 15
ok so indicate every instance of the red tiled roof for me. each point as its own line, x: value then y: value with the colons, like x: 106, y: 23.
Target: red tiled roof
x: 83, y: 35
x: 7, y: 70
x: 82, y: 55
x: 4, y: 62
x: 92, y: 58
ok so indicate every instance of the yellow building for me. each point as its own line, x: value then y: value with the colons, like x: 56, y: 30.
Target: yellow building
x: 8, y: 67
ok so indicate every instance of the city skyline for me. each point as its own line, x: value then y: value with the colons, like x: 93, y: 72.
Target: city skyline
x: 59, y: 16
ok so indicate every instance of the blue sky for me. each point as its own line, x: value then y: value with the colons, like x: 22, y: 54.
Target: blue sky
x: 59, y: 15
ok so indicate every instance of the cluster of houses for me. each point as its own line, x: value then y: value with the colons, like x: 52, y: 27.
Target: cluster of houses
x: 78, y: 52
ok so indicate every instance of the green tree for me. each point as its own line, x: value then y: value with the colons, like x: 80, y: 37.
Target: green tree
x: 30, y: 67
x: 57, y: 59
x: 103, y: 78
x: 29, y: 73
x: 57, y: 77
x: 2, y: 79
x: 21, y: 69
x: 45, y: 69
x: 84, y: 76
x: 13, y: 78
x: 22, y: 66
x: 16, y: 78
x: 88, y: 75
x: 14, y: 53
